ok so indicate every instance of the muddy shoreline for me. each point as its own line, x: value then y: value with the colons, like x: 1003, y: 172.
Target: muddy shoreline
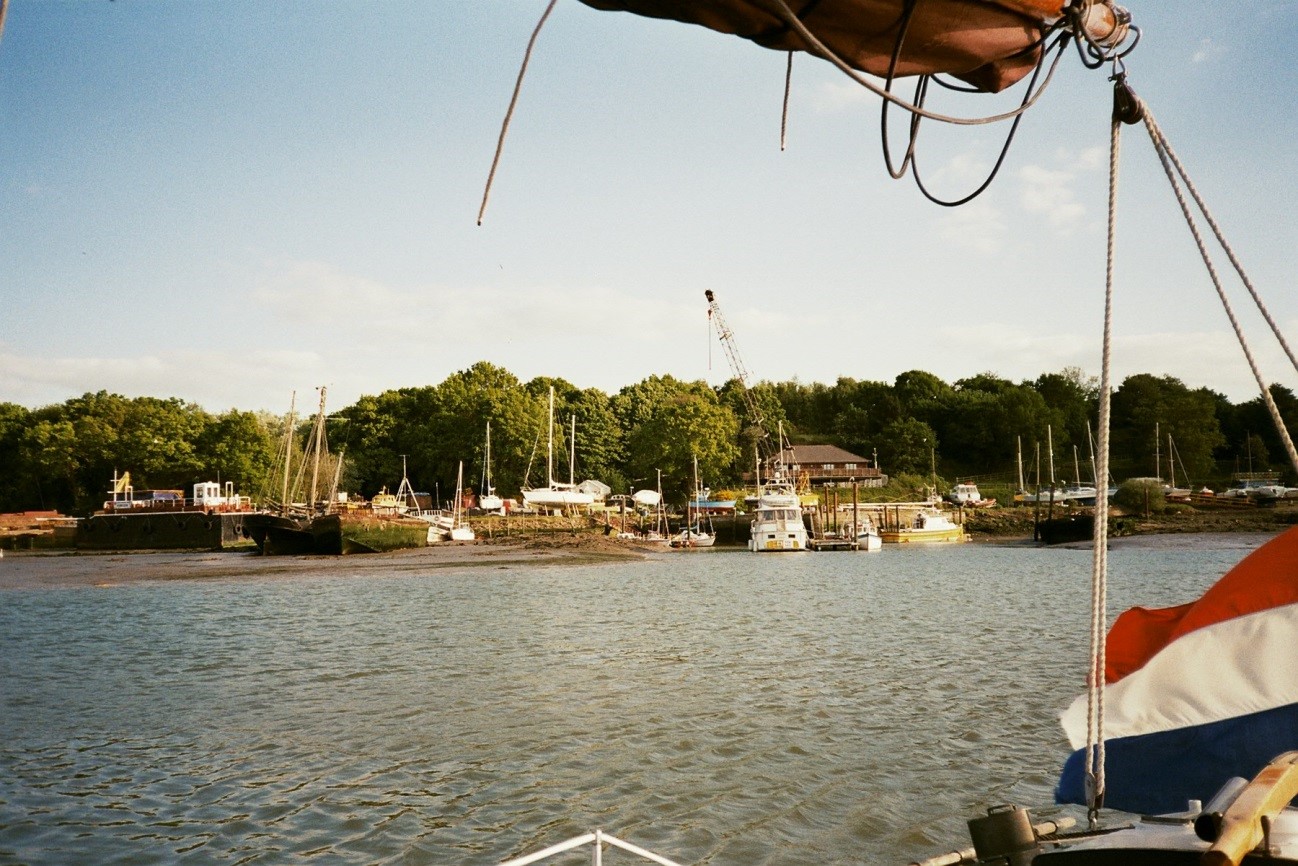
x: 50, y: 568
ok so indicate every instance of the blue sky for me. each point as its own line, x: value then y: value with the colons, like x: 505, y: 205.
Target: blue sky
x: 229, y: 201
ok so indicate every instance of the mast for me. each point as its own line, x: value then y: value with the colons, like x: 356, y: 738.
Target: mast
x: 1019, y: 440
x: 288, y: 450
x: 319, y: 440
x: 572, y: 453
x: 1158, y: 458
x: 1050, y: 456
x: 1171, y: 464
x: 486, y: 465
x: 549, y: 444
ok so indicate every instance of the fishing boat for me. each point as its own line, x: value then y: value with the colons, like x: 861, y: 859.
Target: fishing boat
x: 928, y: 526
x: 777, y: 524
x: 555, y: 495
x: 967, y: 495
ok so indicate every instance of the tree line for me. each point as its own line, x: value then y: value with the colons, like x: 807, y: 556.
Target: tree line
x: 64, y: 456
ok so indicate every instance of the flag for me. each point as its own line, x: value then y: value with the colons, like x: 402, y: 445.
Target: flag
x: 1199, y: 693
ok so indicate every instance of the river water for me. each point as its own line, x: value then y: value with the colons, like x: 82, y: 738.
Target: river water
x: 717, y: 707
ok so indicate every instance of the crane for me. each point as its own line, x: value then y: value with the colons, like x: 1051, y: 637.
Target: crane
x: 727, y: 338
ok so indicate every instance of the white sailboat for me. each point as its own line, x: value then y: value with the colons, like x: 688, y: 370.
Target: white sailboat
x: 557, y: 495
x: 488, y: 500
x: 694, y: 535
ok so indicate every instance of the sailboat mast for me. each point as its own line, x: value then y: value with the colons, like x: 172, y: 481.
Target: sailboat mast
x: 1050, y: 455
x: 486, y: 466
x: 319, y: 438
x: 1171, y: 463
x: 549, y: 444
x: 288, y: 449
x: 1019, y: 440
x: 572, y: 453
x: 1158, y: 458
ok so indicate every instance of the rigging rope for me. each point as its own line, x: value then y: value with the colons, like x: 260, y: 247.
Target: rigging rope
x: 784, y: 114
x: 1100, y: 530
x: 1175, y: 175
x: 513, y: 100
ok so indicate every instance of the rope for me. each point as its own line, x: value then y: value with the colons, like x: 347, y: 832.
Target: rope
x: 1100, y: 532
x: 781, y: 8
x: 1168, y: 158
x: 1226, y: 247
x: 784, y: 113
x: 509, y: 114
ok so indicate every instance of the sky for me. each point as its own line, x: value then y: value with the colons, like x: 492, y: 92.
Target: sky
x: 229, y: 202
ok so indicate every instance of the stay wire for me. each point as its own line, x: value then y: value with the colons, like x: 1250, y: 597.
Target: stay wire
x: 1174, y: 176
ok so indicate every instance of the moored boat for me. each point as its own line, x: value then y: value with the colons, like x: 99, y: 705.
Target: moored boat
x: 928, y: 526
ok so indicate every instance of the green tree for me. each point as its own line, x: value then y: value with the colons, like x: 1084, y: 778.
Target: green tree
x: 1147, y: 410
x: 907, y: 446
x: 692, y: 424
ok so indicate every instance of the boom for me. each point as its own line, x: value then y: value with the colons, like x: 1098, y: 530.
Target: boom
x: 727, y: 338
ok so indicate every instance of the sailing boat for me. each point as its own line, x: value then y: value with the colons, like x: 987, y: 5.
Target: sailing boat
x: 558, y: 496
x: 693, y: 535
x: 454, y: 527
x: 488, y: 501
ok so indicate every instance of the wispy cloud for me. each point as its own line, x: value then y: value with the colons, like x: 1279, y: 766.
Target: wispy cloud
x: 1207, y: 50
x: 978, y: 227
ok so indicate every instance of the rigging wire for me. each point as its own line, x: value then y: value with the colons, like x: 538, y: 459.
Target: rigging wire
x: 1176, y: 175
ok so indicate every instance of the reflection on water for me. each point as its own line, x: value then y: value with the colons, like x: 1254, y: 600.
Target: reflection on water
x: 718, y: 707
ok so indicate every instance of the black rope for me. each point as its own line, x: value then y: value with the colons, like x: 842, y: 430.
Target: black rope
x: 1058, y: 50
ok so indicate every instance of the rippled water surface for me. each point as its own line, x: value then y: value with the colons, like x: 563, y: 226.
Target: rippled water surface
x: 718, y: 707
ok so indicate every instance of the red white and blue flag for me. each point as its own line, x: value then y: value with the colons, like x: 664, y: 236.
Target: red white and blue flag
x: 1198, y: 693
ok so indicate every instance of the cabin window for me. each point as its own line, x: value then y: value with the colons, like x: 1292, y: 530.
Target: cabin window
x: 849, y: 465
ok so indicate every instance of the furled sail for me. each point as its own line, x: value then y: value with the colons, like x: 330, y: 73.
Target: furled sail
x: 990, y: 44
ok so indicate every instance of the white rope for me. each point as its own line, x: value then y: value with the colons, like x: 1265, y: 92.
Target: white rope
x: 782, y: 10
x: 509, y: 114
x: 1167, y: 158
x: 1100, y: 533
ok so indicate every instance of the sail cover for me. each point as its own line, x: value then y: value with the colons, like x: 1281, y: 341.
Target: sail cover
x: 989, y: 44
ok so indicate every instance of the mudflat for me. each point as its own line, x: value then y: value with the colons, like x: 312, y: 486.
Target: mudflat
x: 46, y: 569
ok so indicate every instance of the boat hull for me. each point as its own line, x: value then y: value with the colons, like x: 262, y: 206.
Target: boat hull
x: 164, y: 530
x: 951, y: 535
